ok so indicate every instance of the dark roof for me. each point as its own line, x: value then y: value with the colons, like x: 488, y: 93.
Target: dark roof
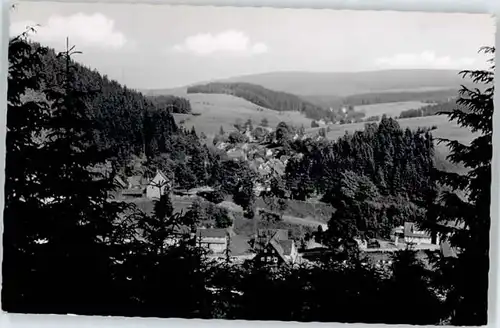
x: 162, y: 175
x: 452, y: 224
x: 286, y: 246
x: 211, y: 233
x: 279, y: 249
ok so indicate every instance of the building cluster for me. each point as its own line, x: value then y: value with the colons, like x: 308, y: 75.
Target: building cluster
x: 270, y: 246
x: 138, y: 186
x: 410, y: 233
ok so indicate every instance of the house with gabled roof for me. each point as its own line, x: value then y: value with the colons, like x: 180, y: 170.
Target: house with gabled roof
x: 157, y: 186
x: 411, y: 234
x: 274, y: 248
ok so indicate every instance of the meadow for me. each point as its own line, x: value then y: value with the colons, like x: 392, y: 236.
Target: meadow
x: 211, y: 111
x: 390, y: 109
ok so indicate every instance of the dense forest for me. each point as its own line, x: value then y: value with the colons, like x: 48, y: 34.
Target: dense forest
x: 133, y: 129
x: 279, y: 101
x: 122, y: 117
x: 392, y: 167
x: 69, y: 249
x: 172, y: 103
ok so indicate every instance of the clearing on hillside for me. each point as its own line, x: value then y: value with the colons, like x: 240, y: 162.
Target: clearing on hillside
x: 390, y: 109
x: 215, y: 110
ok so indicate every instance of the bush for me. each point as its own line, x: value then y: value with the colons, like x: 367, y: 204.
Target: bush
x: 264, y: 122
x: 215, y: 196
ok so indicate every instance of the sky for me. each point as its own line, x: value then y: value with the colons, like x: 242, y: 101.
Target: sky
x: 162, y: 46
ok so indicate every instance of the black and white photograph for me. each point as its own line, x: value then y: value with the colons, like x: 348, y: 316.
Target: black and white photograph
x: 248, y: 163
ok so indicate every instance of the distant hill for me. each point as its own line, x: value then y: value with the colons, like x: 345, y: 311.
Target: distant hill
x: 256, y: 94
x: 343, y: 84
x: 351, y: 83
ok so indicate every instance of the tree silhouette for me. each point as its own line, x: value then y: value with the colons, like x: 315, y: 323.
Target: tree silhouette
x: 467, y: 281
x: 72, y: 222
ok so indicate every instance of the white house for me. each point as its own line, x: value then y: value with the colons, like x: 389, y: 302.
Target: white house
x: 410, y: 234
x: 157, y: 185
x: 214, y: 240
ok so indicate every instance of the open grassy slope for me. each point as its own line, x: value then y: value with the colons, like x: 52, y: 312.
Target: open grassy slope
x: 218, y: 110
x: 390, y: 109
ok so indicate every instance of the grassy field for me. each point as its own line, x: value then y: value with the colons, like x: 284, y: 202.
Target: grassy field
x: 296, y: 211
x: 218, y: 110
x: 390, y: 109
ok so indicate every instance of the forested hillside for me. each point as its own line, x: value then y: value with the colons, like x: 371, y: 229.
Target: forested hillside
x: 388, y: 167
x: 174, y: 104
x: 342, y: 84
x: 138, y: 133
x: 123, y: 118
x: 279, y: 101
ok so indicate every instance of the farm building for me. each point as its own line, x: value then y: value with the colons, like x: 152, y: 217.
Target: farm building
x: 214, y: 240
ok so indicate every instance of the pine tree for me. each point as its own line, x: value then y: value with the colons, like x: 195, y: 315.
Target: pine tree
x: 26, y: 120
x: 67, y: 208
x: 467, y: 282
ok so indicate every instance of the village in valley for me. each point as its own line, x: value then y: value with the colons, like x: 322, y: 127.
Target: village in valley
x: 248, y: 171
x: 264, y: 245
